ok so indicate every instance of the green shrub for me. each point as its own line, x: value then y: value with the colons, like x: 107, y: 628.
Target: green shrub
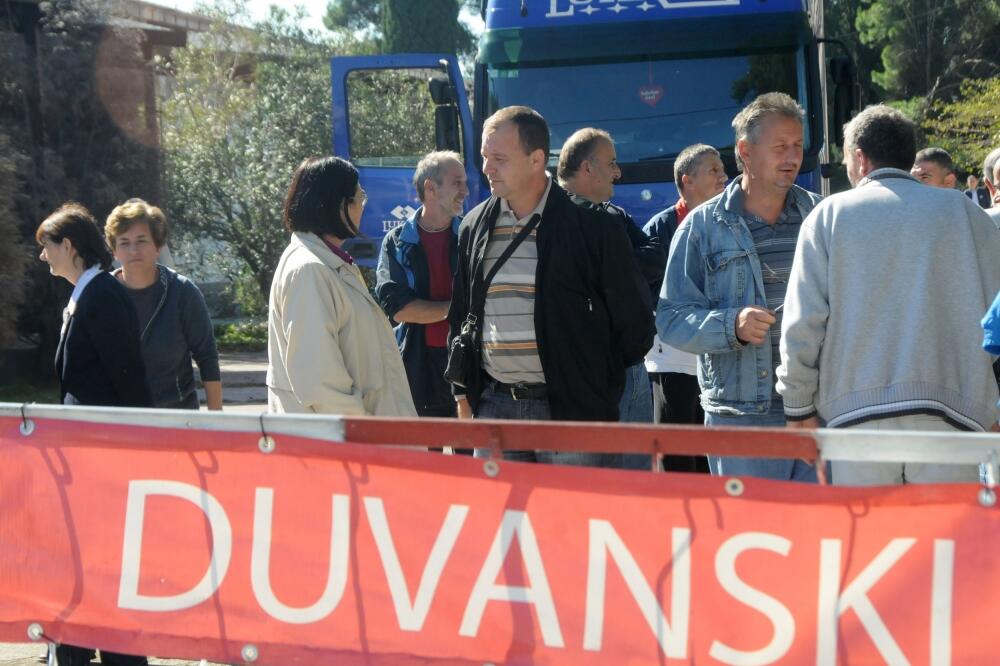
x: 241, y: 337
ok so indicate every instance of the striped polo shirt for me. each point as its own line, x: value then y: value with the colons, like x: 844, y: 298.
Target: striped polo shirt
x: 775, y: 245
x: 510, y: 349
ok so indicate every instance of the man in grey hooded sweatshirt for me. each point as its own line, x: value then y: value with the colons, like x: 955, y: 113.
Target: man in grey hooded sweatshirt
x: 888, y: 285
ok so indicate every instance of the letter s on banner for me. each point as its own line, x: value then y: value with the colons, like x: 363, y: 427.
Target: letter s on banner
x: 779, y: 615
x: 222, y: 541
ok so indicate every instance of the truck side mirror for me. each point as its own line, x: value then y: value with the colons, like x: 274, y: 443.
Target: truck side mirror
x: 845, y: 96
x: 442, y: 92
x: 446, y: 123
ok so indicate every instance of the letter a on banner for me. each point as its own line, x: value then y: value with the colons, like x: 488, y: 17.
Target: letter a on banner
x: 673, y: 637
x: 135, y: 513
x: 260, y: 562
x: 779, y: 615
x: 411, y: 616
x: 514, y: 523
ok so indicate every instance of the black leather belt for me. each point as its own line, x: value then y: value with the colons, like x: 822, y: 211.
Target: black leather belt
x: 521, y: 390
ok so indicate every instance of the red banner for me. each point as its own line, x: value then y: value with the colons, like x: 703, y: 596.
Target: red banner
x: 194, y: 543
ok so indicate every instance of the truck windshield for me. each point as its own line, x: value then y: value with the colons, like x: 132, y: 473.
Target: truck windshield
x: 652, y: 108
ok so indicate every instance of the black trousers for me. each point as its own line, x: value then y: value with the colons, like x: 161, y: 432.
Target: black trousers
x: 677, y: 401
x: 71, y: 655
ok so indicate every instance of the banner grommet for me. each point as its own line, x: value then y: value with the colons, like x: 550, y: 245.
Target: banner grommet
x: 249, y: 653
x: 491, y: 468
x: 734, y: 487
x: 27, y: 425
x: 266, y: 443
x: 35, y: 631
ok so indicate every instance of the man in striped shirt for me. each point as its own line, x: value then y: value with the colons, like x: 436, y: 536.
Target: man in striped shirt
x: 564, y: 315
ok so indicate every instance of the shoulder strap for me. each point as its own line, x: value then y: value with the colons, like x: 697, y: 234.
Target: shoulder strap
x: 502, y: 259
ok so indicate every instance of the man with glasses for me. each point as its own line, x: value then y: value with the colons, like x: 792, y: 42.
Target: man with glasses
x: 726, y: 279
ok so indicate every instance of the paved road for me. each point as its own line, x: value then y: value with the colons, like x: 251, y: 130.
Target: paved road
x: 30, y: 654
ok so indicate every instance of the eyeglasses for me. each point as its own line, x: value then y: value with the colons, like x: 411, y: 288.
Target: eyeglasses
x: 364, y: 196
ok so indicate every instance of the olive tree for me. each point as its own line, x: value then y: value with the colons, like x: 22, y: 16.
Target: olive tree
x: 247, y: 106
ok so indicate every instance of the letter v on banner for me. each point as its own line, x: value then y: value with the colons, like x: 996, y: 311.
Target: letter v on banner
x: 411, y: 615
x: 833, y: 603
x: 673, y: 637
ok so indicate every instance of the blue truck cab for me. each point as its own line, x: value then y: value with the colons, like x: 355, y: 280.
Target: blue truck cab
x: 658, y: 75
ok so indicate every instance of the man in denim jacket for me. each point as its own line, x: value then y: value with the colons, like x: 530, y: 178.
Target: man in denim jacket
x: 726, y: 279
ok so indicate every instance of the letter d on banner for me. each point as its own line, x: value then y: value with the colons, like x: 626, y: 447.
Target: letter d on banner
x: 222, y: 541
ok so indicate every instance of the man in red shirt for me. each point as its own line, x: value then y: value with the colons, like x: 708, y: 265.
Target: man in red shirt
x: 414, y: 276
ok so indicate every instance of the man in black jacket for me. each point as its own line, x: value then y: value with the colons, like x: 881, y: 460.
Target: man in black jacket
x: 566, y: 313
x: 588, y: 169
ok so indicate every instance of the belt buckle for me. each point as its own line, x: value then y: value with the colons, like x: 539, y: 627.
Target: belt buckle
x: 514, y: 389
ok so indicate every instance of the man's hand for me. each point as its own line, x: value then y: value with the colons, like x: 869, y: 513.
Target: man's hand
x: 753, y: 324
x: 464, y: 410
x: 810, y: 423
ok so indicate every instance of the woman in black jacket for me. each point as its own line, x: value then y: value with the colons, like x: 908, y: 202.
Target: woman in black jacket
x: 98, y: 360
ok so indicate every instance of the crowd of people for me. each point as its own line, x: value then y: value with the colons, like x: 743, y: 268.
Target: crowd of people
x: 753, y: 303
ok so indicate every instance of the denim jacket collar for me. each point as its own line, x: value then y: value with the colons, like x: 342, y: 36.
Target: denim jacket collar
x: 728, y: 205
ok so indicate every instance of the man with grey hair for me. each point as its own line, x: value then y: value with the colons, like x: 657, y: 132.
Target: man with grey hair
x: 414, y: 278
x: 726, y: 278
x: 699, y: 176
x: 989, y: 176
x: 887, y: 290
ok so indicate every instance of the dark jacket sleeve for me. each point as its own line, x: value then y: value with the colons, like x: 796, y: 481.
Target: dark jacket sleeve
x: 115, y: 332
x: 391, y: 287
x: 459, y: 308
x: 196, y: 325
x: 649, y: 254
x: 661, y: 227
x: 626, y: 296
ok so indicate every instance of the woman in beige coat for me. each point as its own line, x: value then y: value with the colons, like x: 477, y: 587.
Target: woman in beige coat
x: 330, y: 347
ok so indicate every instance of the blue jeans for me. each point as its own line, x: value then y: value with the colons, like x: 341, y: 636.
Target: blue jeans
x: 499, y: 405
x: 761, y: 468
x: 636, y: 405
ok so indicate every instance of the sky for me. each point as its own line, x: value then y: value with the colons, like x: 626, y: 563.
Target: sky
x: 315, y: 9
x: 259, y: 8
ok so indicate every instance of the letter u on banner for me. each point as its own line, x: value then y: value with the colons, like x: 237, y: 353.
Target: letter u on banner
x: 260, y: 562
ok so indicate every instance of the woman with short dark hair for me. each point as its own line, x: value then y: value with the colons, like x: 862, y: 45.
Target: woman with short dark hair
x: 174, y: 323
x: 98, y: 359
x: 330, y: 347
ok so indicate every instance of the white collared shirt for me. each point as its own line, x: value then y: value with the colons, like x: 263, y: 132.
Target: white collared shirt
x: 81, y: 284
